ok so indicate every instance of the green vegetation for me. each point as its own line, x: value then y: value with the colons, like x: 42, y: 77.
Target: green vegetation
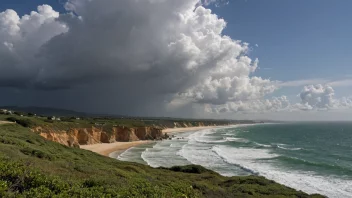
x: 30, y: 120
x: 65, y: 123
x: 38, y: 116
x: 31, y: 166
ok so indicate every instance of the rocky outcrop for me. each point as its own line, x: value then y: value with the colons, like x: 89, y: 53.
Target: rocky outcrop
x: 85, y: 136
x: 92, y: 135
x: 148, y: 133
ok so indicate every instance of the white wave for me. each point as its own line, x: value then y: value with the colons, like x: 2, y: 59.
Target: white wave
x: 305, y: 181
x: 163, y: 154
x: 201, y: 136
x: 233, y: 139
x: 285, y: 147
x: 123, y: 154
x: 291, y: 149
x: 262, y: 145
x: 280, y: 144
x: 146, y: 157
x: 203, y: 155
x: 231, y: 161
x: 210, y: 141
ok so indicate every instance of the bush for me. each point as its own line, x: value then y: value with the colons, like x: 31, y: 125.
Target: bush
x: 3, y: 188
x: 189, y: 169
x: 30, y: 114
x: 23, y: 122
x: 36, y: 153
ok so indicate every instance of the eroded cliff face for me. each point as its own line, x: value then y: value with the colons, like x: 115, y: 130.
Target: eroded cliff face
x: 85, y: 136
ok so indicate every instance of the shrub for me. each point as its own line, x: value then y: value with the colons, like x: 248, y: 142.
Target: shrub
x: 30, y: 114
x: 23, y: 122
x: 189, y: 169
x: 36, y: 153
x: 3, y: 188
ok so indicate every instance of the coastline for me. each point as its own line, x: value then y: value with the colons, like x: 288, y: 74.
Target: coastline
x: 116, y: 148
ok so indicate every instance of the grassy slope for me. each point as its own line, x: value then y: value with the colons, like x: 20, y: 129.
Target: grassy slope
x: 107, y: 123
x: 69, y: 123
x: 31, y: 166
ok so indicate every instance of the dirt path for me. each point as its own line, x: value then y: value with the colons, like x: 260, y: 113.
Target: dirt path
x: 6, y: 122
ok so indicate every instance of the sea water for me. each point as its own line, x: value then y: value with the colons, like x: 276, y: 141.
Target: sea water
x: 312, y: 157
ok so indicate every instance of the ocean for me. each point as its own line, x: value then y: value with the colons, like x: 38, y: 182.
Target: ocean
x: 312, y: 157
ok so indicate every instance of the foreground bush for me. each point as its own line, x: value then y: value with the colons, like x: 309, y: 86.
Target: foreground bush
x: 23, y: 122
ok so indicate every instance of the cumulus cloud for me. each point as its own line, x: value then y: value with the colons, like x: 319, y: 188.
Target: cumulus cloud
x: 145, y: 52
x: 312, y: 98
x: 318, y: 96
x: 274, y: 104
x: 321, y: 97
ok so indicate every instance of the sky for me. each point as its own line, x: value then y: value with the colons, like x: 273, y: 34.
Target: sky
x: 236, y: 59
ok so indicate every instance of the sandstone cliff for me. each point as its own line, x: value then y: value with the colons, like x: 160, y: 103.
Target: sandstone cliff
x: 84, y: 136
x: 74, y: 137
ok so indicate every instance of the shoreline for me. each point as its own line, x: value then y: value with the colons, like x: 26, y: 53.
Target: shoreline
x: 115, y: 149
x: 106, y: 149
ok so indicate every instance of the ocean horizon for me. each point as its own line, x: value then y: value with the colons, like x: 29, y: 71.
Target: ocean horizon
x: 314, y: 157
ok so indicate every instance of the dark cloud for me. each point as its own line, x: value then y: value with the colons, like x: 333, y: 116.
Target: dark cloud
x: 140, y: 57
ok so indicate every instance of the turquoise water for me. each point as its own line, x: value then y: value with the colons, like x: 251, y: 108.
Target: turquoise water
x: 312, y: 157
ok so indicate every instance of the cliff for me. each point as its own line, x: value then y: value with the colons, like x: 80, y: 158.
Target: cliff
x: 73, y: 136
x: 84, y: 136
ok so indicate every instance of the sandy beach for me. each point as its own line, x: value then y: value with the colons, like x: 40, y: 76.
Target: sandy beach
x: 114, y: 149
x: 117, y: 147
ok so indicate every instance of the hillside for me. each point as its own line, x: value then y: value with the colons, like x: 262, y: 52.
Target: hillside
x: 31, y: 166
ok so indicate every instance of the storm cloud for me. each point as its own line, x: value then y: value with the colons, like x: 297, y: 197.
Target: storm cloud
x: 152, y: 57
x: 152, y: 53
